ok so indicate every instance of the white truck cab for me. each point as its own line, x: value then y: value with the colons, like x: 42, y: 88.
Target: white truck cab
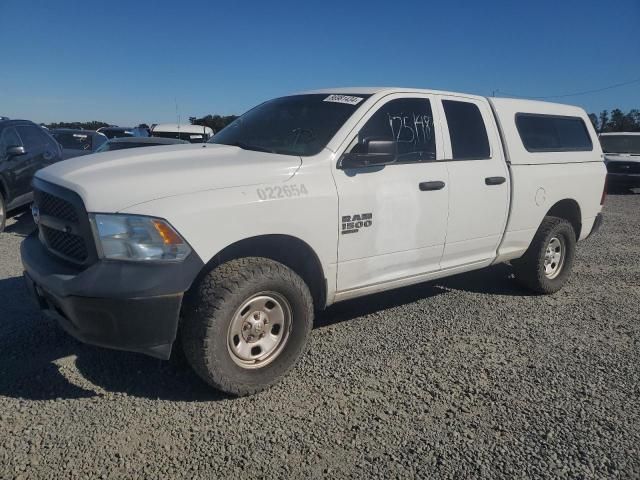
x: 304, y: 201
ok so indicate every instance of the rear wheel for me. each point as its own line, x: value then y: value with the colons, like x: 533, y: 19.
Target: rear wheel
x: 246, y: 324
x: 547, y: 263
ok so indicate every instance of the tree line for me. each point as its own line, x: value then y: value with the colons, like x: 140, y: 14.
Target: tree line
x: 92, y: 125
x: 215, y: 122
x: 616, y: 121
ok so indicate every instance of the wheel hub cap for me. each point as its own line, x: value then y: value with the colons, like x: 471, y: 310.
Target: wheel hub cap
x: 554, y: 258
x: 254, y: 327
x: 259, y: 330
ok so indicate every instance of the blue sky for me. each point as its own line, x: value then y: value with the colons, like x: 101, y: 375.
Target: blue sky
x: 126, y: 62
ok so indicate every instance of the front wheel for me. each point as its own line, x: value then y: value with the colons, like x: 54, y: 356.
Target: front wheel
x: 547, y: 263
x: 3, y: 213
x: 246, y: 324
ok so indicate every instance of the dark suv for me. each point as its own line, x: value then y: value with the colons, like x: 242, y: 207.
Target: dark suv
x: 24, y: 149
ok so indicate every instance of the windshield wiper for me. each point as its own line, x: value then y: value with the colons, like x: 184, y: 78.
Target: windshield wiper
x: 247, y: 146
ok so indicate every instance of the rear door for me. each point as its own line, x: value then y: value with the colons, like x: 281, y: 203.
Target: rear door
x: 478, y: 179
x: 393, y: 218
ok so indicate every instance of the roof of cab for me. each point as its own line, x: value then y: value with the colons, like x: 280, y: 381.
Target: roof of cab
x: 387, y: 90
x: 383, y: 90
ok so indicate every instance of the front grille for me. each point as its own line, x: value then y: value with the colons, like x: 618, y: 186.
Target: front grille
x: 623, y: 167
x: 64, y: 225
x: 56, y: 207
x: 70, y: 245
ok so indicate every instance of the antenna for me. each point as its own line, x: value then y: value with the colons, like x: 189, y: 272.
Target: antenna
x: 177, y: 114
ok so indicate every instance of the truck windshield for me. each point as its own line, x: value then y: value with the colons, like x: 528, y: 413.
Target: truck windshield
x: 296, y: 125
x: 620, y: 144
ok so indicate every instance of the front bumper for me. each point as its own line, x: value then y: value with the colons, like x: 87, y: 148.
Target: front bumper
x: 630, y: 180
x: 121, y: 305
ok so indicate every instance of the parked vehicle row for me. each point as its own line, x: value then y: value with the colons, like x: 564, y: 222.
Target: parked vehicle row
x: 622, y: 158
x: 123, y: 132
x: 136, y: 142
x: 25, y: 148
x: 78, y: 142
x: 190, y: 133
x: 302, y: 202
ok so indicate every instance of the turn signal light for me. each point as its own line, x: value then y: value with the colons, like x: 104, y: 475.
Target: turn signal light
x: 169, y: 236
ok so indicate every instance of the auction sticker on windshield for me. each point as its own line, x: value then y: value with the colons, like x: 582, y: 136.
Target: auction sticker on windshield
x: 343, y: 99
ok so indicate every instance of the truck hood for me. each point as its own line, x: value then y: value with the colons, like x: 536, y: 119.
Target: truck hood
x: 113, y: 181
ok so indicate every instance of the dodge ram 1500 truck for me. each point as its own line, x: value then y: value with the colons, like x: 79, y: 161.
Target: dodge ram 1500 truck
x: 304, y: 201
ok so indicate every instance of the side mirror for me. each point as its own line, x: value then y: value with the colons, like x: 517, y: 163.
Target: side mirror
x: 370, y: 152
x: 15, y: 151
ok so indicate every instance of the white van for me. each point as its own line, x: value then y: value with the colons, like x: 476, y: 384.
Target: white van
x: 190, y: 133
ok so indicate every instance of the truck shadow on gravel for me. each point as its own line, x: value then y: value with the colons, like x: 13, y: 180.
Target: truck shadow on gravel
x: 38, y: 361
x: 22, y: 226
x: 496, y: 280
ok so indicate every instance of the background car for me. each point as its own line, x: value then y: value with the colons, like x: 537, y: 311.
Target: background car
x: 78, y: 142
x: 190, y: 133
x: 25, y: 148
x: 622, y: 158
x: 135, y: 142
x: 123, y: 132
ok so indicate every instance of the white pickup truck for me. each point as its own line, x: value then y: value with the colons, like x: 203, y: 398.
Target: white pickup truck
x: 304, y: 201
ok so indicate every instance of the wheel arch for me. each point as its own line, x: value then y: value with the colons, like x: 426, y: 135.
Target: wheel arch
x: 286, y: 249
x: 569, y: 210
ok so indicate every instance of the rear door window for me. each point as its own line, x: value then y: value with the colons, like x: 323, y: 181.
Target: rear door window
x: 552, y: 133
x: 469, y: 140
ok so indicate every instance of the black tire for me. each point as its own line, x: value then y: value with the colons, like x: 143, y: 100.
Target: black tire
x: 530, y: 269
x: 3, y: 213
x: 213, y: 303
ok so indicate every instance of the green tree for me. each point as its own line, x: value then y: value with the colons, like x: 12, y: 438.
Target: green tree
x: 215, y: 122
x: 93, y: 125
x: 632, y: 120
x: 616, y: 123
x: 603, y: 119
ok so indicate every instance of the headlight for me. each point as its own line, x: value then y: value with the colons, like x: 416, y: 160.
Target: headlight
x: 138, y: 238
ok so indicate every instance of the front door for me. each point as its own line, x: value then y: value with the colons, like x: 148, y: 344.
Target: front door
x: 16, y: 169
x: 393, y: 218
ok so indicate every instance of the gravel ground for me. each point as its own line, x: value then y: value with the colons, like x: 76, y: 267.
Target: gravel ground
x: 468, y: 377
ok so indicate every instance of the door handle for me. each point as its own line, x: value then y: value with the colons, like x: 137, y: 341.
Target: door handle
x: 428, y: 186
x: 495, y: 180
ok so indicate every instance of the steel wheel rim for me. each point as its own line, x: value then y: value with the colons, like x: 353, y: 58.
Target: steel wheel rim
x: 259, y: 330
x: 2, y: 215
x: 554, y: 257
